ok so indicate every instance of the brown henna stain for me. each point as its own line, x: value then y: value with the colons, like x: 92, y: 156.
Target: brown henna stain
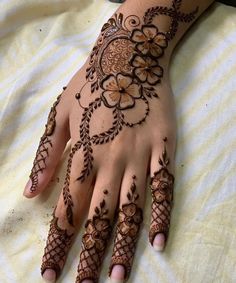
x: 124, y: 67
x: 45, y: 144
x: 57, y: 247
x: 94, y: 242
x: 162, y: 184
x: 130, y: 218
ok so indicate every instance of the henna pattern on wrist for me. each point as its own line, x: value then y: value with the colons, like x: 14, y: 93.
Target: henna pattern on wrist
x: 162, y: 184
x: 130, y: 218
x: 124, y: 70
x: 45, y: 144
x: 94, y: 243
x: 174, y: 13
x: 57, y: 247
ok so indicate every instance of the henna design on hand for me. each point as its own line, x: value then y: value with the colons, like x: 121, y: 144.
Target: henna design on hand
x: 57, y: 247
x: 162, y: 184
x: 94, y: 242
x: 130, y: 218
x: 174, y: 13
x: 45, y: 143
x: 124, y: 69
x: 66, y: 191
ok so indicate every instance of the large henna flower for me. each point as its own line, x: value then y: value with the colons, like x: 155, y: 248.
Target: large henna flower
x: 162, y: 186
x: 149, y: 40
x: 120, y: 91
x: 146, y: 69
x: 97, y: 232
x: 130, y: 218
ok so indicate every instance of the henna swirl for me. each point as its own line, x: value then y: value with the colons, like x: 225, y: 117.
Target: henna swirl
x: 124, y: 69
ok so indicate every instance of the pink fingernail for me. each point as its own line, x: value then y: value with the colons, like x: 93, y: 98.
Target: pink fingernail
x: 159, y: 242
x: 117, y: 274
x: 27, y: 188
x: 49, y: 276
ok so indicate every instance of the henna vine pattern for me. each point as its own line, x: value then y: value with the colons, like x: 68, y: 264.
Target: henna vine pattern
x: 44, y: 145
x: 94, y: 242
x: 57, y: 247
x: 123, y: 70
x: 162, y: 184
x: 129, y: 221
x: 174, y: 13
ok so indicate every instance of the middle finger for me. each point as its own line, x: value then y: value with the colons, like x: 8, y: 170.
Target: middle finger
x: 98, y: 227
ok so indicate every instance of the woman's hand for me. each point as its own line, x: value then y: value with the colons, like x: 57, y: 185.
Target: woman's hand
x: 118, y: 111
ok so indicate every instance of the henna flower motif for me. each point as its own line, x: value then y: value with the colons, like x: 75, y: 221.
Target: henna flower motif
x: 162, y: 186
x: 120, y: 91
x: 146, y: 69
x: 149, y: 40
x: 130, y: 218
x: 97, y: 232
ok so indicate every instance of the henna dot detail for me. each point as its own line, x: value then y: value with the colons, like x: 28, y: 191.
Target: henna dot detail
x: 77, y: 95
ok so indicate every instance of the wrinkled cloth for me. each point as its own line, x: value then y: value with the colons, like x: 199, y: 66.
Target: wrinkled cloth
x: 42, y: 44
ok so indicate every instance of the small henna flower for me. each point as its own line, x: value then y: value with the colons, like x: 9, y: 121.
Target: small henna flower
x: 97, y: 231
x: 146, y: 69
x: 149, y: 40
x: 162, y: 186
x: 120, y: 91
x: 130, y: 218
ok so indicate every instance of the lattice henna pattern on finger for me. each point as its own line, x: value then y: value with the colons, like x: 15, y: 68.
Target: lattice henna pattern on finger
x: 44, y: 145
x: 130, y: 218
x: 94, y: 242
x: 162, y: 184
x: 124, y: 70
x: 57, y: 247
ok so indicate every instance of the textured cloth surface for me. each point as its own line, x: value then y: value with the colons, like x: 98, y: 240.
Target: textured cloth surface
x: 42, y: 44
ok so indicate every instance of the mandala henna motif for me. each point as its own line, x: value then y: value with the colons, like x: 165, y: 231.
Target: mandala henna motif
x: 162, y: 184
x: 57, y: 247
x: 44, y: 145
x: 129, y: 221
x: 94, y: 242
x: 124, y: 69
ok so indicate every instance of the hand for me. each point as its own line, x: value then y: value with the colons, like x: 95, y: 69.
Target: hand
x: 118, y: 111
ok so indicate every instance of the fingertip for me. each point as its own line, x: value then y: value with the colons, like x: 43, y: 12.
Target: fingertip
x: 117, y: 274
x: 49, y: 276
x: 159, y: 242
x: 27, y: 193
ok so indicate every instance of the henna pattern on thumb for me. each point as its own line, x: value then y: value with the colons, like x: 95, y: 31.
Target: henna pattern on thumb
x: 45, y: 144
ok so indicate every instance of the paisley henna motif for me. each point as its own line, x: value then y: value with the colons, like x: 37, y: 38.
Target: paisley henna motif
x: 57, y: 247
x: 162, y: 184
x: 94, y: 242
x: 129, y: 221
x: 44, y: 145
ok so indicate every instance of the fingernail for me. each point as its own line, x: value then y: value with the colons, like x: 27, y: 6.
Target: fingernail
x: 49, y: 276
x: 159, y: 242
x: 27, y: 188
x: 117, y: 274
